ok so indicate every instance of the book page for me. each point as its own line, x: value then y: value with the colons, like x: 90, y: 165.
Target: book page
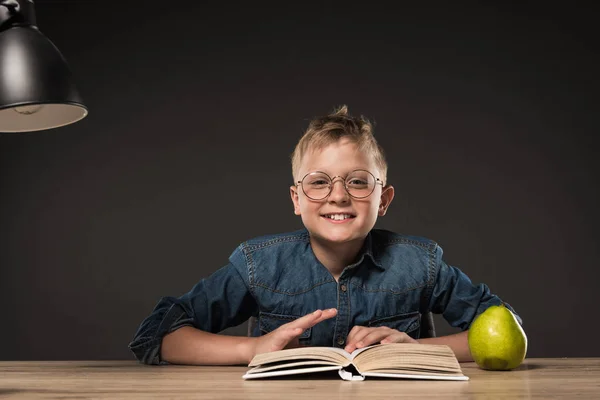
x: 358, y: 351
x: 332, y: 354
x: 293, y: 371
x: 419, y: 376
x: 289, y: 364
x: 408, y: 358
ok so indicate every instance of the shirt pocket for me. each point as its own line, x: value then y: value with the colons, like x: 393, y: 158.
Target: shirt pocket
x: 410, y: 323
x: 268, y: 322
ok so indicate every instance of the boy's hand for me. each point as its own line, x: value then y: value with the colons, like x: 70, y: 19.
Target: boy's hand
x: 361, y: 336
x: 287, y: 335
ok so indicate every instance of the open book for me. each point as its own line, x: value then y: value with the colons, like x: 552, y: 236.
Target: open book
x: 394, y: 360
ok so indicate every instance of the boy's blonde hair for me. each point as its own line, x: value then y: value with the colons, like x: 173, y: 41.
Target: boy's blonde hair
x: 325, y: 130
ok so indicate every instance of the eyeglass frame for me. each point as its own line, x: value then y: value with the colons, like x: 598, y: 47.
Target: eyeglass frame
x: 332, y: 181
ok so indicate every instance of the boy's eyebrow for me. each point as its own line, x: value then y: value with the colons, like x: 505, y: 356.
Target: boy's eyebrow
x: 332, y: 175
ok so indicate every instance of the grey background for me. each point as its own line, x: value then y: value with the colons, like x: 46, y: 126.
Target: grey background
x: 487, y: 115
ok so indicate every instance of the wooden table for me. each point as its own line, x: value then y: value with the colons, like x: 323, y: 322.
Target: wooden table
x: 548, y: 378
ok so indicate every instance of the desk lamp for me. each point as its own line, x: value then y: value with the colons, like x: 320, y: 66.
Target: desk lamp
x: 36, y: 90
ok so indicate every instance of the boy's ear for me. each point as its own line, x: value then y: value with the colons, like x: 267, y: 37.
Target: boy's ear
x: 387, y: 195
x: 294, y: 196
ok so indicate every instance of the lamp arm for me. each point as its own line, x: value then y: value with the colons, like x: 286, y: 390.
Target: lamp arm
x: 16, y: 13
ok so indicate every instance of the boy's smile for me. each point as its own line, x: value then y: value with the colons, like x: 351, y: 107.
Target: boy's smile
x: 339, y: 218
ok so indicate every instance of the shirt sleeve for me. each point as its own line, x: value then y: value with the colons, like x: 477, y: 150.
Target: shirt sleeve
x: 457, y: 298
x: 217, y: 302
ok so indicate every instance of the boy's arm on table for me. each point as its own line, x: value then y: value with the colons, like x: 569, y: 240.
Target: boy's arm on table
x: 458, y: 342
x: 188, y: 345
x: 215, y: 303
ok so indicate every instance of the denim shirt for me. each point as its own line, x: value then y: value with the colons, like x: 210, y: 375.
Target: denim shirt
x: 277, y: 278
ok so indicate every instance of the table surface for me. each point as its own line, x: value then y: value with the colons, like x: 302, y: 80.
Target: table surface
x: 536, y: 378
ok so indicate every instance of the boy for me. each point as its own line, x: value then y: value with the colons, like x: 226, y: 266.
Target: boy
x: 338, y: 282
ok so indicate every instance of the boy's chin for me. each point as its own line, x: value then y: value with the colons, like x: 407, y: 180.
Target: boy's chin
x: 338, y: 236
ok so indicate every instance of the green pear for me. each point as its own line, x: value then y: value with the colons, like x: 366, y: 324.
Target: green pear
x: 496, y: 339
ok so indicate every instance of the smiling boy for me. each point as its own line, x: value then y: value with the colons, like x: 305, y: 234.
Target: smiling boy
x: 367, y: 285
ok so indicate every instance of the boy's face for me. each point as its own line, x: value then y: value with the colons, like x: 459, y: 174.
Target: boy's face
x: 338, y: 160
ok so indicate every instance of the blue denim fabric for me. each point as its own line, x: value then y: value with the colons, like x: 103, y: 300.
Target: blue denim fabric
x: 277, y: 279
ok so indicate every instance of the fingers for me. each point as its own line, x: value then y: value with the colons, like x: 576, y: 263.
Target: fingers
x: 356, y: 335
x: 361, y: 336
x: 310, y: 320
x: 353, y: 332
x: 287, y: 335
x: 375, y: 336
x: 327, y: 314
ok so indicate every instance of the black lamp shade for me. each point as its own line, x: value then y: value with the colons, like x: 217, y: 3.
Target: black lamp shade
x: 36, y: 89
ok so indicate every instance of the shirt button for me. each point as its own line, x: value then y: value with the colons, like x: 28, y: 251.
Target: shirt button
x: 343, y: 287
x: 340, y: 340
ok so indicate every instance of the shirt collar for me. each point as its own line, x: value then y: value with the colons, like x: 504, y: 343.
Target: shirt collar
x: 367, y: 250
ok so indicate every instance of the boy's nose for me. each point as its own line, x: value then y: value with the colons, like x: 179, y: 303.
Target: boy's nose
x: 338, y: 192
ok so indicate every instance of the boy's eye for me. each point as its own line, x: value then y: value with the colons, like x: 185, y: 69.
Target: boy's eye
x: 357, y: 182
x: 319, y: 182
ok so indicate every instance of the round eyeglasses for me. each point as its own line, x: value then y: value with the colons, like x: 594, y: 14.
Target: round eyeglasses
x: 359, y: 184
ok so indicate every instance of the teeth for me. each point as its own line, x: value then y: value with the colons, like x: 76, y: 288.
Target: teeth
x: 338, y: 217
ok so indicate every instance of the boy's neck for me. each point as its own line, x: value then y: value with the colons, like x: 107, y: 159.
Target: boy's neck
x: 336, y: 256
